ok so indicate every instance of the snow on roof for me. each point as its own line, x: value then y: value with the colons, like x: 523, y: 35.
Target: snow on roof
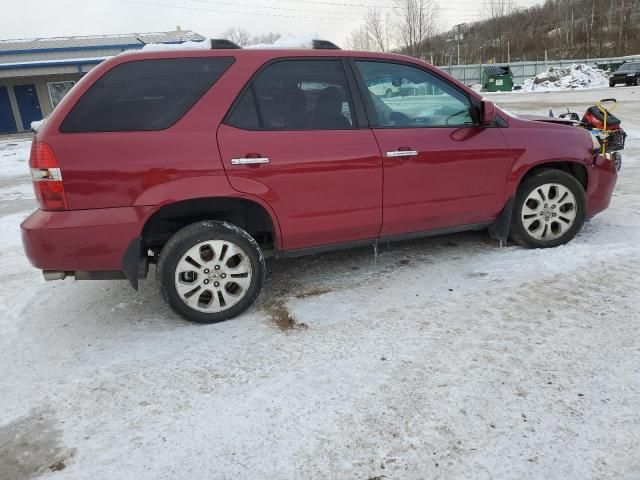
x: 289, y: 41
x: 165, y: 47
x: 285, y: 42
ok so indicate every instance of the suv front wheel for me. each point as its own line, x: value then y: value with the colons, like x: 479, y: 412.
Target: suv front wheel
x: 210, y: 271
x: 549, y: 210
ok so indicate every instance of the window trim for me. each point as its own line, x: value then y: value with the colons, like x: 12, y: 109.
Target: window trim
x: 195, y: 102
x: 370, y: 108
x: 352, y: 100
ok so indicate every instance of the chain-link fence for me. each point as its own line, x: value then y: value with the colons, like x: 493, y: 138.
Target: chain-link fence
x: 471, y: 74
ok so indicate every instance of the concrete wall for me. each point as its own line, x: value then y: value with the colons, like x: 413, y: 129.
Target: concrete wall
x: 42, y: 90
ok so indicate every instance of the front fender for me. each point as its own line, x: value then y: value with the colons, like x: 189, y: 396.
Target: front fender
x: 545, y: 143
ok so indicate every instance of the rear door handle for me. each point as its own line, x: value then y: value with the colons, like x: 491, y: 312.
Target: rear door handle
x: 402, y: 153
x: 249, y: 161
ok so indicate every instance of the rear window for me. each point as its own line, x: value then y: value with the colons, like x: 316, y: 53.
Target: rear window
x: 144, y: 94
x: 629, y: 67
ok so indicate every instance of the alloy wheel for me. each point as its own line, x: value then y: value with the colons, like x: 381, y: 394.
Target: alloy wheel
x: 549, y: 211
x: 213, y: 276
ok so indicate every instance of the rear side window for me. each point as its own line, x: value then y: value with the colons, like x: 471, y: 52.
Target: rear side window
x: 144, y: 94
x: 296, y: 95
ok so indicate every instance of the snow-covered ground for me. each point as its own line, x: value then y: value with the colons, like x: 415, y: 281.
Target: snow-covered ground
x: 444, y: 358
x: 575, y: 76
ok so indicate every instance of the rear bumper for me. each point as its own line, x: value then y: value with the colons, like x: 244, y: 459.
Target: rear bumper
x: 602, y: 180
x: 86, y: 240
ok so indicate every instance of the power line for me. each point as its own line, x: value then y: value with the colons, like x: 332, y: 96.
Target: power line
x: 338, y: 4
x: 232, y: 12
x: 333, y: 4
x: 278, y: 11
x: 254, y: 5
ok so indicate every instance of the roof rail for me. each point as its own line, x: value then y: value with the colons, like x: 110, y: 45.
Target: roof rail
x: 324, y: 45
x: 223, y: 44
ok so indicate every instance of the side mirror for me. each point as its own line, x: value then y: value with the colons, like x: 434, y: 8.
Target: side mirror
x: 487, y: 112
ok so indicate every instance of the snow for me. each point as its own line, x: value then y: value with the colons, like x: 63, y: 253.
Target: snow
x: 37, y: 125
x: 285, y: 42
x: 289, y: 41
x: 446, y: 358
x: 170, y: 47
x: 575, y: 76
x: 14, y: 157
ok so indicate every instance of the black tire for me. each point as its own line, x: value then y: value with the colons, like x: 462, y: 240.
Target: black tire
x: 612, y: 83
x: 191, y: 236
x: 521, y: 235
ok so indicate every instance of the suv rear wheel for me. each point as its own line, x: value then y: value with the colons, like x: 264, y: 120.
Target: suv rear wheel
x: 549, y: 210
x: 210, y: 271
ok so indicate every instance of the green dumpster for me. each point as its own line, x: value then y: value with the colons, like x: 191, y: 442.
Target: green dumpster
x: 497, y: 79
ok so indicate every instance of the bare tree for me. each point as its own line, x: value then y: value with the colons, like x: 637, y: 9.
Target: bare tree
x: 415, y: 23
x: 237, y: 35
x: 264, y: 39
x: 359, y: 39
x: 378, y: 29
x: 498, y: 13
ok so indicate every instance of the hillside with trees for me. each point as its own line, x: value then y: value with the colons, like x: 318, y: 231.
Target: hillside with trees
x: 558, y: 28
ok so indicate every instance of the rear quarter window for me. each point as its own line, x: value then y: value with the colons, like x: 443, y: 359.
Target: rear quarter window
x: 144, y: 94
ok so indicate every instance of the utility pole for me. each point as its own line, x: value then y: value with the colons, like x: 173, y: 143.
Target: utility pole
x: 620, y: 31
x: 459, y: 36
x: 546, y: 60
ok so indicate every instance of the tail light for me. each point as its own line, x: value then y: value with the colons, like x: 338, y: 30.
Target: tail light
x: 47, y: 178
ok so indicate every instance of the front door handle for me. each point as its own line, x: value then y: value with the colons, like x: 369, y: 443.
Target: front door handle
x: 249, y: 161
x: 402, y: 153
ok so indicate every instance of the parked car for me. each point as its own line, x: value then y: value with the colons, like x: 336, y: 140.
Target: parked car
x: 204, y: 162
x: 385, y: 88
x: 628, y: 73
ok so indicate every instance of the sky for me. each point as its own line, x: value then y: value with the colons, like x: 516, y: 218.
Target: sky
x: 329, y: 19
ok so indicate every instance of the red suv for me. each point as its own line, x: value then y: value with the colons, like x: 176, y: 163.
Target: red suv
x: 207, y: 161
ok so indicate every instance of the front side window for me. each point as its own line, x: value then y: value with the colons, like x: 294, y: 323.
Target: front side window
x: 296, y: 95
x: 144, y: 94
x: 405, y: 96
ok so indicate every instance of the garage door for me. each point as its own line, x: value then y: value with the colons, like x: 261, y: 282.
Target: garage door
x: 7, y: 122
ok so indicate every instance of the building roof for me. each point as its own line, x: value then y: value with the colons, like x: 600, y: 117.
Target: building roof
x: 76, y: 55
x: 93, y: 42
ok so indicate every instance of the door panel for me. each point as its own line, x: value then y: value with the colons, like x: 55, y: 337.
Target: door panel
x: 324, y: 186
x: 293, y: 140
x: 458, y: 177
x: 440, y: 169
x: 28, y: 104
x: 7, y: 122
